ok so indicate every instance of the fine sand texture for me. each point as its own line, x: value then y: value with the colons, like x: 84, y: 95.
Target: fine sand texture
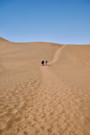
x: 44, y: 100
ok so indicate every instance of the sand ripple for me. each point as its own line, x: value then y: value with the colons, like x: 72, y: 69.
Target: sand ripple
x: 49, y: 107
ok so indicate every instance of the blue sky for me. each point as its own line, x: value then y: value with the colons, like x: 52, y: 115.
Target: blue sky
x: 58, y: 21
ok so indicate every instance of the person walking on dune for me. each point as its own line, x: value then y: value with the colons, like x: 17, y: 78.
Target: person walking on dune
x: 46, y: 62
x: 42, y: 62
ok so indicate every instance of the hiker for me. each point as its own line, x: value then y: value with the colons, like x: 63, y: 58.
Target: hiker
x: 42, y: 62
x: 46, y: 62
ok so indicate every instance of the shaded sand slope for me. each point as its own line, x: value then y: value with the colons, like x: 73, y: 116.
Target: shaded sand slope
x: 44, y: 100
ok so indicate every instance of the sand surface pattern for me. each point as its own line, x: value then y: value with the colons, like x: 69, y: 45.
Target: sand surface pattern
x: 42, y: 100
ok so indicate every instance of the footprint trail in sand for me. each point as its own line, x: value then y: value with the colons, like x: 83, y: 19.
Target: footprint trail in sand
x: 60, y: 106
x: 52, y: 110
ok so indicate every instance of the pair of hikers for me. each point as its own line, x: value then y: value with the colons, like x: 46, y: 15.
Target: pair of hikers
x: 44, y: 62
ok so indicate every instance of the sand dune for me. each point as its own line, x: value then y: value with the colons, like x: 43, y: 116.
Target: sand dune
x: 44, y: 100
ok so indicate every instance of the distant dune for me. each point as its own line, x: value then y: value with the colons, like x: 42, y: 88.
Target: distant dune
x: 44, y: 100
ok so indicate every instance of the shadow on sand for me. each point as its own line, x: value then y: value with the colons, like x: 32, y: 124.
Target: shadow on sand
x: 46, y: 65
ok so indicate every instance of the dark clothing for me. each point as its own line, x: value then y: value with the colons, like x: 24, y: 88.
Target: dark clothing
x: 42, y: 62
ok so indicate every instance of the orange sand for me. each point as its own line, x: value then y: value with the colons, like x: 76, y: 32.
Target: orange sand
x: 44, y: 100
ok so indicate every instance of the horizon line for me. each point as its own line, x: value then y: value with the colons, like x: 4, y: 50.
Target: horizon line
x: 40, y: 42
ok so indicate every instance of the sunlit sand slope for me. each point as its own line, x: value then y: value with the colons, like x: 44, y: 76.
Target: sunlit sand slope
x: 44, y: 100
